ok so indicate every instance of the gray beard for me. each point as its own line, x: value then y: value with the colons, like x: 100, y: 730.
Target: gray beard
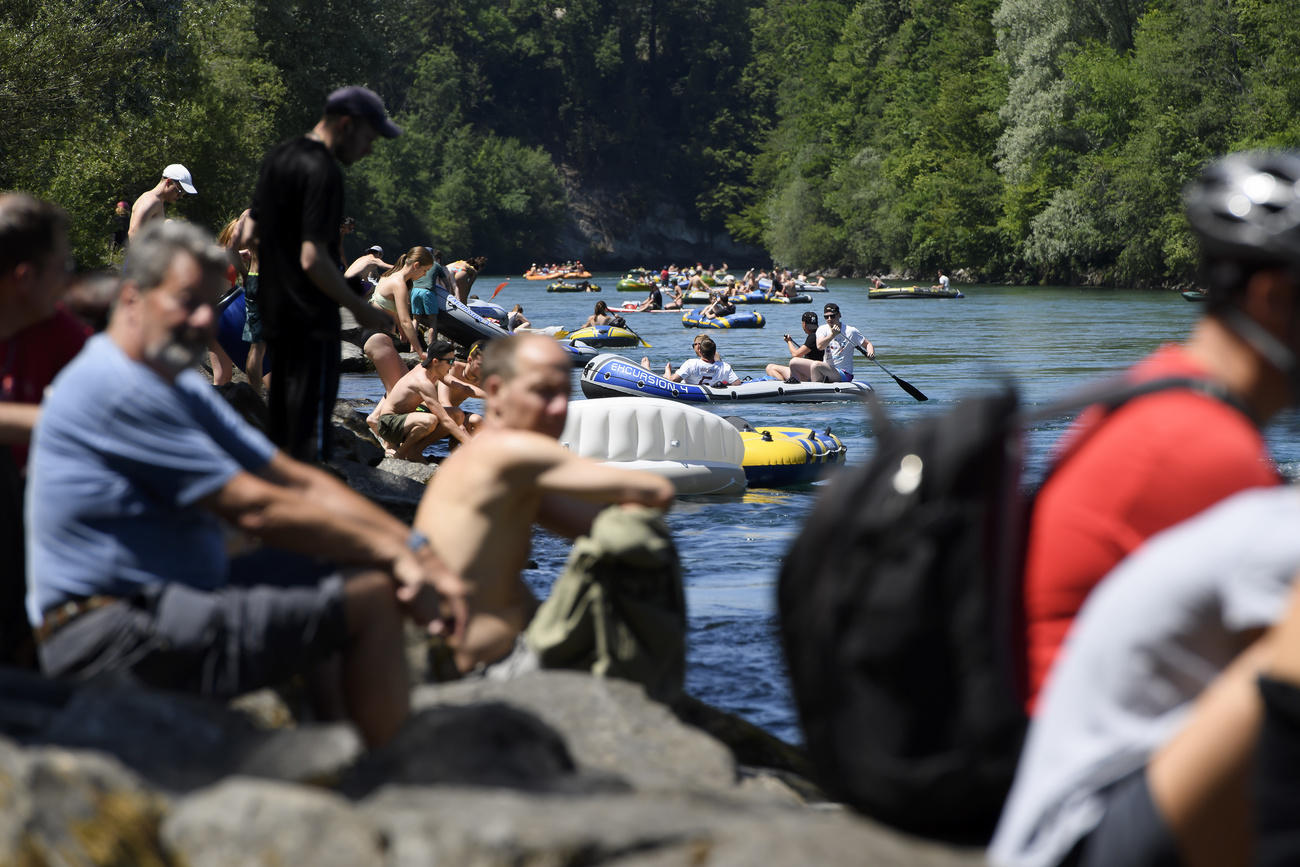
x: 175, y: 356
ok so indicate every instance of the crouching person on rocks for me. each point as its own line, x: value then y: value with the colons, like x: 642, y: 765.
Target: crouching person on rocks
x: 136, y: 462
x: 618, y: 609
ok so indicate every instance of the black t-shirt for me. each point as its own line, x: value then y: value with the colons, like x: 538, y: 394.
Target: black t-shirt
x: 656, y: 299
x: 299, y: 197
x: 810, y: 341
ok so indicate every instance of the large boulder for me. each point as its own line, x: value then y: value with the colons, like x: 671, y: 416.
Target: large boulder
x: 243, y: 821
x: 609, y: 726
x: 74, y: 807
x: 501, y: 829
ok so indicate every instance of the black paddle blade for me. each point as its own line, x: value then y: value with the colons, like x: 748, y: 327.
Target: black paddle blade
x: 910, y: 389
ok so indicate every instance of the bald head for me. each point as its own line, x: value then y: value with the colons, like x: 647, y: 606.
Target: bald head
x: 527, y: 378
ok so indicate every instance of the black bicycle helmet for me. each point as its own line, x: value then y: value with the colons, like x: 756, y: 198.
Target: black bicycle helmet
x: 1246, y: 207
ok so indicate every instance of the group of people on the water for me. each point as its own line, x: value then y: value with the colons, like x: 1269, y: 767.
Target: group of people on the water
x: 572, y: 268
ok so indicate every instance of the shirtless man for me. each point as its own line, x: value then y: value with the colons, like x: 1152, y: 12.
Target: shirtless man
x: 369, y: 265
x: 152, y: 204
x: 398, y: 421
x: 462, y: 383
x: 482, y: 503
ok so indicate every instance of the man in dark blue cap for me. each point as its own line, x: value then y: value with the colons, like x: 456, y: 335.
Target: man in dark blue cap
x: 297, y: 209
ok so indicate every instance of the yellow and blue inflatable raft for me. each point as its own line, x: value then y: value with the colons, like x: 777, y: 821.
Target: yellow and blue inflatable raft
x: 776, y: 457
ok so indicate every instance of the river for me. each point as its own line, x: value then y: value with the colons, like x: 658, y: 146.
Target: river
x: 1045, y: 339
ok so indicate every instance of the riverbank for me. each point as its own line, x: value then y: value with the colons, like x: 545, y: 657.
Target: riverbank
x: 553, y: 768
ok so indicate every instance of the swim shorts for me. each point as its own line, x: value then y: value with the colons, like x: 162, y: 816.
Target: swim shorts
x: 424, y: 302
x: 392, y: 426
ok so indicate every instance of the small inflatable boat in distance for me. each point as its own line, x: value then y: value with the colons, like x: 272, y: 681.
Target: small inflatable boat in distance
x: 778, y: 457
x: 913, y: 292
x: 739, y: 319
x: 699, y: 452
x: 611, y: 375
x: 605, y: 336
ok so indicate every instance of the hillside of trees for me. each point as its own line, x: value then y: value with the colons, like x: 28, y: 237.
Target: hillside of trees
x: 1017, y: 140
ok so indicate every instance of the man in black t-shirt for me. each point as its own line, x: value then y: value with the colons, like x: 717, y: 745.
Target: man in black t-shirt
x: 808, y: 349
x: 297, y: 210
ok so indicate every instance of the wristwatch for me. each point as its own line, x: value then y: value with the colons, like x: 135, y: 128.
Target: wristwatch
x: 416, y: 541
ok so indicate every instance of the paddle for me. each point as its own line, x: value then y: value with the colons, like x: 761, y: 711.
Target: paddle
x: 499, y: 288
x: 902, y: 383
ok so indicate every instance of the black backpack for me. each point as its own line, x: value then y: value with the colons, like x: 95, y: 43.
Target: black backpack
x: 898, y: 605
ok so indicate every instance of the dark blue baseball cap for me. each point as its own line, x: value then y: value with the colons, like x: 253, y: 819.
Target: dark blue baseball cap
x: 362, y: 102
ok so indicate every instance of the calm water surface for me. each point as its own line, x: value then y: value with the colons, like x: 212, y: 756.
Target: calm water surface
x: 1045, y: 339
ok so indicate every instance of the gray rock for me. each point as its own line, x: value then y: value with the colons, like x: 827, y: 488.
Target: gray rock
x: 180, y: 743
x: 73, y: 807
x: 352, y: 359
x: 610, y: 726
x: 242, y: 821
x: 496, y: 829
x: 397, y: 494
x: 490, y: 744
x: 413, y: 470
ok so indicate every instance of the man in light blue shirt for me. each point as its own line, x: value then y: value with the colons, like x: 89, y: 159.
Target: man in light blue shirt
x: 135, y: 464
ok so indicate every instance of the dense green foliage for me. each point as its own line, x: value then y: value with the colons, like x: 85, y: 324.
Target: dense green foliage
x: 1036, y: 140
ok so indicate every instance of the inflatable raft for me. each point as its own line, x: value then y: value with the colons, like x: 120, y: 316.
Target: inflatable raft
x: 914, y: 292
x: 739, y: 319
x: 230, y: 331
x: 777, y: 457
x: 461, y: 324
x: 605, y: 336
x: 699, y: 452
x: 489, y: 310
x: 1193, y: 295
x: 610, y: 375
x: 561, y: 286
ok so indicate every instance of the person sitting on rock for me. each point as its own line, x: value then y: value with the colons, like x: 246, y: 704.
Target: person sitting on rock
x: 480, y: 510
x: 135, y: 466
x: 413, y: 414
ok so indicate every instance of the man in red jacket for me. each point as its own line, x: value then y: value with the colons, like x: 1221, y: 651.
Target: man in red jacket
x: 1162, y: 458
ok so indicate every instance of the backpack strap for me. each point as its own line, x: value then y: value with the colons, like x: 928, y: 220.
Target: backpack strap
x: 1113, y: 394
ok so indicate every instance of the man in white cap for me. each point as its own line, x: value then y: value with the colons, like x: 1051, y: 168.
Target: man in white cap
x: 297, y: 210
x: 176, y: 179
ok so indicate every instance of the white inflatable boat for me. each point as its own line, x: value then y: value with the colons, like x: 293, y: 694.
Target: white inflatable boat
x: 699, y: 452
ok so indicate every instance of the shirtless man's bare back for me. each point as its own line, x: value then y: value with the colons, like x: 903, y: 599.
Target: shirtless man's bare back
x: 482, y: 504
x: 152, y: 204
x: 398, y: 421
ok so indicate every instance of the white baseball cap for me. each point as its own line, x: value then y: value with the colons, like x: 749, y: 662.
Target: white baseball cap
x: 180, y: 175
x: 376, y: 249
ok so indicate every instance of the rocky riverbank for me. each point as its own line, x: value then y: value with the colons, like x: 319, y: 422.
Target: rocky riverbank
x: 556, y: 768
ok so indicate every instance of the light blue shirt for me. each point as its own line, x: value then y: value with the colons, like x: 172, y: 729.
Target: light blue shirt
x: 119, y: 461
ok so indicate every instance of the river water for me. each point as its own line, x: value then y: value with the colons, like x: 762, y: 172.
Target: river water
x: 1045, y: 339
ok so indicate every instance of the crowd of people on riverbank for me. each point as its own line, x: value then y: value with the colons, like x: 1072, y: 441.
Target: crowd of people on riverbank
x: 1159, y: 627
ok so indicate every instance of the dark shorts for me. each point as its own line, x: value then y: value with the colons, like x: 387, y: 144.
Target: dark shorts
x: 1132, y: 832
x: 280, y: 614
x: 252, y: 311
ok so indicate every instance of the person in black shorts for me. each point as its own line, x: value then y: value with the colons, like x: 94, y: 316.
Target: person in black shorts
x: 297, y: 210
